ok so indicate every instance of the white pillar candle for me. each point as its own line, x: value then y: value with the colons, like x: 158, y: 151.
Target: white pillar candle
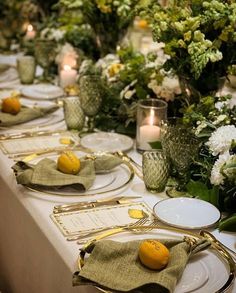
x: 149, y: 132
x: 30, y: 33
x: 67, y: 76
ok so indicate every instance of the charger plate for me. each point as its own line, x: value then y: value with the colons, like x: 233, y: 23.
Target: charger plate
x: 188, y: 213
x: 107, y: 142
x: 105, y: 182
x: 211, y: 270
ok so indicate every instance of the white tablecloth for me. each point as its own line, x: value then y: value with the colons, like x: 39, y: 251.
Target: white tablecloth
x: 34, y: 256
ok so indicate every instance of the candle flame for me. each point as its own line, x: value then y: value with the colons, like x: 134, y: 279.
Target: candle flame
x: 152, y: 114
x: 30, y: 28
x: 66, y: 67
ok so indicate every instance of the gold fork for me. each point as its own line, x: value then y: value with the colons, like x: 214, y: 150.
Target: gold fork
x: 107, y: 232
x: 134, y: 228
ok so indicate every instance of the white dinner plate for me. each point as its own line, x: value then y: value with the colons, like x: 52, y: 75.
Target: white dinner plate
x: 205, y: 272
x: 107, y: 142
x: 104, y: 182
x: 42, y: 91
x: 47, y: 120
x: 188, y: 213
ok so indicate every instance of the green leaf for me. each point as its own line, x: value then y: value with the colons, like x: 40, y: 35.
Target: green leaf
x: 228, y: 224
x: 198, y: 189
x: 155, y: 145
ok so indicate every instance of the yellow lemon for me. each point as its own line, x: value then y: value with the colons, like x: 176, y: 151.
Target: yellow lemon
x: 143, y: 24
x: 11, y: 105
x: 153, y: 254
x: 68, y: 163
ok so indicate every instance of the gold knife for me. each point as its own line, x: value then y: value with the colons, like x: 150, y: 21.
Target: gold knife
x: 92, y: 204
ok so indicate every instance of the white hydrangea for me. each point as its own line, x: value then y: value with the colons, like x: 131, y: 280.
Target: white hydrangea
x: 221, y: 139
x: 216, y: 176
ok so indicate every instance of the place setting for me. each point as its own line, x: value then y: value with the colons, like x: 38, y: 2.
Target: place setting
x: 19, y: 113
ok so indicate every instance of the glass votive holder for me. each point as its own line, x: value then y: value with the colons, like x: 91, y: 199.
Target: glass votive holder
x: 73, y: 113
x: 150, y: 114
x: 155, y: 170
x: 26, y: 67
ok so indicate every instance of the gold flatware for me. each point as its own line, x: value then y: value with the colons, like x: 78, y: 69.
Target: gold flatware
x: 92, y: 204
x: 30, y: 134
x: 132, y: 227
x: 27, y: 157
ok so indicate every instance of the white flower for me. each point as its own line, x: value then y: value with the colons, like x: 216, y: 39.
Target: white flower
x: 216, y: 176
x: 52, y: 34
x: 221, y: 105
x: 200, y: 126
x: 220, y: 118
x: 128, y: 91
x: 221, y: 139
x: 67, y: 55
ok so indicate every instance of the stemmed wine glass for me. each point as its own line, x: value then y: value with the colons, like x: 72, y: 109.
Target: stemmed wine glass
x: 45, y: 54
x: 91, y: 91
x: 181, y: 146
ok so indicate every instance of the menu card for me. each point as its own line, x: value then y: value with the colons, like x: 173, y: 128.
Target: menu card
x: 37, y: 143
x: 72, y: 223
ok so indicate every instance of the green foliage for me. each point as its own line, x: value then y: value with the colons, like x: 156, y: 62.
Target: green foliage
x: 199, y: 37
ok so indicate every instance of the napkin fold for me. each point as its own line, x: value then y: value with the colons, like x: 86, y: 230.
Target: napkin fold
x: 26, y: 114
x: 116, y: 266
x: 45, y: 172
x: 4, y: 67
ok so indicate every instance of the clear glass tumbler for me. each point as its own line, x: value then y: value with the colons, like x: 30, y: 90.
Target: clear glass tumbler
x: 73, y: 113
x: 155, y: 170
x: 26, y: 67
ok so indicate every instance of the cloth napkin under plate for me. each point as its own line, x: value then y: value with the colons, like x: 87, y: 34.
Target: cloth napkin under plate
x: 26, y: 114
x: 116, y: 266
x: 45, y: 172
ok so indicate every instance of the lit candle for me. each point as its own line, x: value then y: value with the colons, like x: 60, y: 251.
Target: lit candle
x: 30, y: 33
x: 67, y: 76
x: 149, y: 132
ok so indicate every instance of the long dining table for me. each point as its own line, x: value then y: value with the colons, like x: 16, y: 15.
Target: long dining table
x: 34, y: 255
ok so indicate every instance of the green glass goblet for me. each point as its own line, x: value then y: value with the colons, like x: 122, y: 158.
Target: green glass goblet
x: 182, y: 147
x: 45, y: 54
x: 91, y: 92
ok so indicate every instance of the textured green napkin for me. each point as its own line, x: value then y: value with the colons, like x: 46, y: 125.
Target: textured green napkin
x: 45, y: 172
x: 26, y: 114
x: 116, y: 266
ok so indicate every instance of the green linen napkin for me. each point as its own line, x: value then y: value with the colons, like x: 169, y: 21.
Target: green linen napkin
x: 116, y: 266
x: 45, y: 172
x: 26, y: 114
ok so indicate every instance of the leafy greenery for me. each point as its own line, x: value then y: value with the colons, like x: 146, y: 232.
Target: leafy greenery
x: 199, y: 37
x: 109, y: 19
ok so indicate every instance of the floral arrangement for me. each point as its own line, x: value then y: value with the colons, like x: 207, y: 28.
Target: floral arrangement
x: 109, y: 19
x: 129, y: 77
x: 214, y: 170
x: 199, y: 37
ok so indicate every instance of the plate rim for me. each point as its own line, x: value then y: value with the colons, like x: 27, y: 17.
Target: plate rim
x: 181, y: 226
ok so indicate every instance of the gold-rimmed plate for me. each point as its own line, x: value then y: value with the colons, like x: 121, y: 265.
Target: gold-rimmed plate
x: 208, y: 271
x: 105, y: 182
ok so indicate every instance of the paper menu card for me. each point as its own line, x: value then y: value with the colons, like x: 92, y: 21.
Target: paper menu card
x: 72, y: 223
x: 36, y: 143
